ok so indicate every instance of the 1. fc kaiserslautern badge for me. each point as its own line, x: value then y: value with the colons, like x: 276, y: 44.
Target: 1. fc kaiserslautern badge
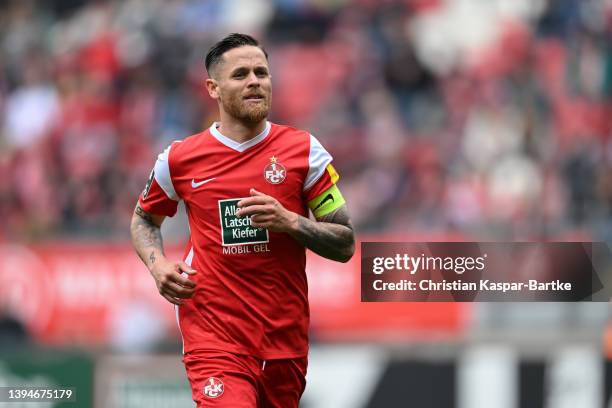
x: 275, y: 172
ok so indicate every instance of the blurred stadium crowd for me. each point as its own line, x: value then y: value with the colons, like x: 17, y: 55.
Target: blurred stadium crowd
x: 485, y: 118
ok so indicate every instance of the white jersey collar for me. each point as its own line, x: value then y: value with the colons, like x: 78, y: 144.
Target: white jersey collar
x: 240, y: 147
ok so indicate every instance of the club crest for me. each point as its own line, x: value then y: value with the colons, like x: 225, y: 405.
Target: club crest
x: 274, y: 172
x: 213, y: 388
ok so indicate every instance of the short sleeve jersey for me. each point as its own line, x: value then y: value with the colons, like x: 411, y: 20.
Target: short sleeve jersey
x: 252, y: 295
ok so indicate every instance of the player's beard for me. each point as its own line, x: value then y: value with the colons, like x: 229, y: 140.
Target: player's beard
x: 247, y: 112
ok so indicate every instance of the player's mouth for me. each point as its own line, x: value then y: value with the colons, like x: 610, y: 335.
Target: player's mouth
x: 254, y: 97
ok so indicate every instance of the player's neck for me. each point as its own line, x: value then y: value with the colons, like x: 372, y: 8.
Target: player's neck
x: 241, y: 132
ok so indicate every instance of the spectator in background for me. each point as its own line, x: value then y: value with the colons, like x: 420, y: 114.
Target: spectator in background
x: 502, y: 107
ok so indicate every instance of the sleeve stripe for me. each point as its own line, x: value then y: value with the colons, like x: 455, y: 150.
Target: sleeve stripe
x: 162, y: 174
x: 318, y: 159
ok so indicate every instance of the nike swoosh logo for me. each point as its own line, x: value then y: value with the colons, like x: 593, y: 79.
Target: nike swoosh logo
x: 199, y: 183
x: 327, y: 198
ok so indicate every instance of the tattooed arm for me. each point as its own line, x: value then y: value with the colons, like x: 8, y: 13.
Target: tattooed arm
x: 330, y: 236
x: 147, y: 240
x: 146, y: 236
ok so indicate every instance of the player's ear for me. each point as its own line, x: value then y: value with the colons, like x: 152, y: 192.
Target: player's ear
x: 213, y: 88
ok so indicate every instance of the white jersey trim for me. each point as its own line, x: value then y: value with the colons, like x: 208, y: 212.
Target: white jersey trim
x: 189, y: 258
x: 188, y: 261
x: 318, y: 159
x: 239, y: 147
x: 176, y: 310
x: 162, y: 174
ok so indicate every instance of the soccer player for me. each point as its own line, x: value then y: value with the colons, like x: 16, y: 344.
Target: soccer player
x: 241, y: 294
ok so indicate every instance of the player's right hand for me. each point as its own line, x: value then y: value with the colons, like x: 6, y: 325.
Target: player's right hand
x: 171, y: 284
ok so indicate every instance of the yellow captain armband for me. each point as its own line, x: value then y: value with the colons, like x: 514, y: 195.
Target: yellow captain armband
x: 330, y: 200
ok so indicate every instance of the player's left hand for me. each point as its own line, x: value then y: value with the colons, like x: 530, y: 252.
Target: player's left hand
x: 267, y: 212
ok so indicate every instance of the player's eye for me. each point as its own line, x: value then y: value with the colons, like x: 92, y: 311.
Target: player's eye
x: 239, y: 74
x: 261, y: 72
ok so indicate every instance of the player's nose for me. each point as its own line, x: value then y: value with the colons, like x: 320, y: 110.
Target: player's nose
x: 253, y: 80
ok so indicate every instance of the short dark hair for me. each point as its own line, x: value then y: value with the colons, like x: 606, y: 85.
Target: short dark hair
x: 234, y: 40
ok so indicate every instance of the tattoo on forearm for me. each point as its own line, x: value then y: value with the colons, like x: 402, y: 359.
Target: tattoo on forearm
x: 332, y: 237
x: 146, y: 236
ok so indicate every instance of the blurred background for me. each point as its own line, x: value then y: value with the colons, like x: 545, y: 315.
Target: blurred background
x: 480, y: 120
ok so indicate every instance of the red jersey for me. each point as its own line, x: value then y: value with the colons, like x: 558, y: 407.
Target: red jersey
x: 252, y: 295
